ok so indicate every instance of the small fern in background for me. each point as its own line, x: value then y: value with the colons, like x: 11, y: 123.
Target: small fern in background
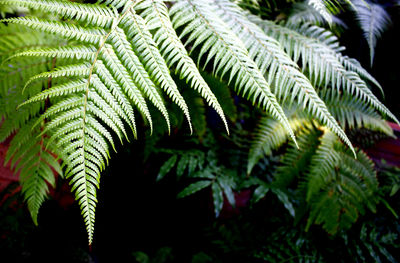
x: 76, y: 77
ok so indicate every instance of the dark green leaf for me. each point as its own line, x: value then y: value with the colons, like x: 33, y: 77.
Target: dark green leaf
x: 193, y: 188
x: 166, y: 167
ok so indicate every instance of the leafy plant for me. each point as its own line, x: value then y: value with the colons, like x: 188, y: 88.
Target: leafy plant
x: 100, y: 65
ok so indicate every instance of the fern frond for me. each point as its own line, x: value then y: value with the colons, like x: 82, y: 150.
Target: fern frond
x: 148, y: 51
x: 269, y: 136
x: 353, y: 65
x: 296, y: 162
x: 124, y: 78
x: 155, y: 13
x: 65, y: 30
x: 353, y: 113
x: 77, y: 70
x: 94, y: 14
x: 35, y: 166
x: 282, y: 72
x: 303, y: 12
x: 339, y: 189
x: 319, y: 5
x: 202, y: 26
x: 320, y: 60
x: 373, y: 20
x: 73, y: 52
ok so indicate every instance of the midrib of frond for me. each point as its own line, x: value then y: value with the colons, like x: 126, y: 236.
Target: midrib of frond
x: 88, y: 206
x: 266, y: 95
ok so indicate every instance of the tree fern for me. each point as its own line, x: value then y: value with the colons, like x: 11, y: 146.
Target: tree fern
x: 81, y: 82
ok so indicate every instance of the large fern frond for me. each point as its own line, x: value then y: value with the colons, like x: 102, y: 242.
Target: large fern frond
x: 202, y: 26
x: 321, y: 61
x: 283, y: 73
x: 155, y: 13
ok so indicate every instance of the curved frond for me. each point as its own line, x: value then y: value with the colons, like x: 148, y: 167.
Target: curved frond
x: 94, y: 14
x: 269, y: 136
x: 282, y: 72
x: 339, y: 187
x: 202, y: 26
x: 35, y: 165
x: 320, y: 7
x: 321, y: 61
x: 155, y: 13
x: 66, y: 30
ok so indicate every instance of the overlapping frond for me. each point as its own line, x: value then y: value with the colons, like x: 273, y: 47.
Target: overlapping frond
x: 322, y: 61
x: 35, y: 166
x: 351, y: 113
x: 156, y: 15
x: 283, y: 74
x: 339, y: 187
x: 269, y: 135
x: 320, y: 7
x: 94, y: 14
x: 203, y: 27
x: 77, y: 94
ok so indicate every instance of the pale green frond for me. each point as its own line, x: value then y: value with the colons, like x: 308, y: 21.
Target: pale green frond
x: 102, y: 109
x: 282, y: 72
x: 116, y: 90
x: 141, y: 38
x: 320, y: 6
x: 352, y: 113
x: 204, y: 27
x: 270, y: 135
x: 77, y: 70
x: 138, y: 72
x: 66, y: 30
x: 78, y: 86
x: 156, y: 15
x: 124, y: 79
x: 353, y: 65
x: 302, y: 12
x: 94, y: 14
x: 83, y: 52
x: 320, y: 60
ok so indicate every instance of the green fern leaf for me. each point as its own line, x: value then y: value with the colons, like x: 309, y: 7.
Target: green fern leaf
x: 282, y: 71
x: 156, y: 15
x: 203, y: 27
x: 96, y: 15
